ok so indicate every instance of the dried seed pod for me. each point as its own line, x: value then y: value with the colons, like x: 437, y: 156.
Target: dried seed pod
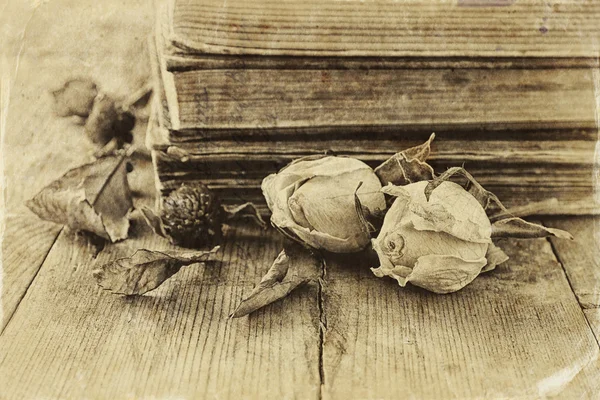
x: 191, y: 216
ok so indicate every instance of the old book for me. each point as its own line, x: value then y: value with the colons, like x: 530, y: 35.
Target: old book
x: 228, y: 114
x: 209, y: 34
x: 369, y: 94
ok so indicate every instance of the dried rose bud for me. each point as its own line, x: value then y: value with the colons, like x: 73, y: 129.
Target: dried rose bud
x: 440, y: 244
x: 312, y: 200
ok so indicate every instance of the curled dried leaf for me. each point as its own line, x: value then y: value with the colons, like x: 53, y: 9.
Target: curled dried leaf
x: 488, y: 200
x: 293, y: 267
x: 153, y: 221
x: 518, y: 228
x: 146, y: 270
x: 94, y: 197
x: 407, y: 166
x: 362, y: 213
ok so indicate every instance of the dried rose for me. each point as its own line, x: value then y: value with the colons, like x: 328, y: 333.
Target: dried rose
x: 437, y: 235
x: 312, y: 200
x: 326, y: 203
x: 439, y: 245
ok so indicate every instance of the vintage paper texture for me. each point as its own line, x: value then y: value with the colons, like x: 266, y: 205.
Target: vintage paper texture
x: 333, y: 340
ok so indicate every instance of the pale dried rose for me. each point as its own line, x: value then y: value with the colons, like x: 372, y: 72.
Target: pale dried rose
x: 312, y: 200
x: 440, y: 244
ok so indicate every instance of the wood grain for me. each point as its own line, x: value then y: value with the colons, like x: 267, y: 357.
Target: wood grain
x: 506, y: 335
x: 25, y: 244
x: 39, y: 147
x: 506, y: 100
x: 580, y: 257
x: 466, y: 28
x: 69, y: 339
x: 593, y: 316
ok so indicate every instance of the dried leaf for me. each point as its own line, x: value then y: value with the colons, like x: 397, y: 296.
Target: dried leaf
x: 145, y: 270
x: 407, y: 166
x: 153, y: 221
x: 361, y: 211
x: 246, y: 210
x: 503, y: 224
x: 76, y: 97
x: 293, y: 267
x: 531, y: 208
x: 489, y: 201
x: 518, y: 228
x: 94, y: 197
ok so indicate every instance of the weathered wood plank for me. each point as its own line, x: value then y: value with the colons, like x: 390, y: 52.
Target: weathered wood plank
x: 580, y: 257
x: 37, y: 146
x: 466, y: 28
x: 593, y: 316
x: 69, y: 339
x: 509, y: 334
x: 25, y: 244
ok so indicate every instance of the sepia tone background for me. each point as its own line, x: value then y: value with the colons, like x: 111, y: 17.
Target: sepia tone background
x: 529, y: 330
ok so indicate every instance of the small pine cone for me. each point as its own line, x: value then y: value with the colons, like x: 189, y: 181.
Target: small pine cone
x: 191, y: 216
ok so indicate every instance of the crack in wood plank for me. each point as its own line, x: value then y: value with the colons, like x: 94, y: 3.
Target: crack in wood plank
x: 562, y: 265
x: 322, y: 323
x: 9, y: 310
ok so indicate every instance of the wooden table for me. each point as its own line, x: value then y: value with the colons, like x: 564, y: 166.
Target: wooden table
x: 529, y: 329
